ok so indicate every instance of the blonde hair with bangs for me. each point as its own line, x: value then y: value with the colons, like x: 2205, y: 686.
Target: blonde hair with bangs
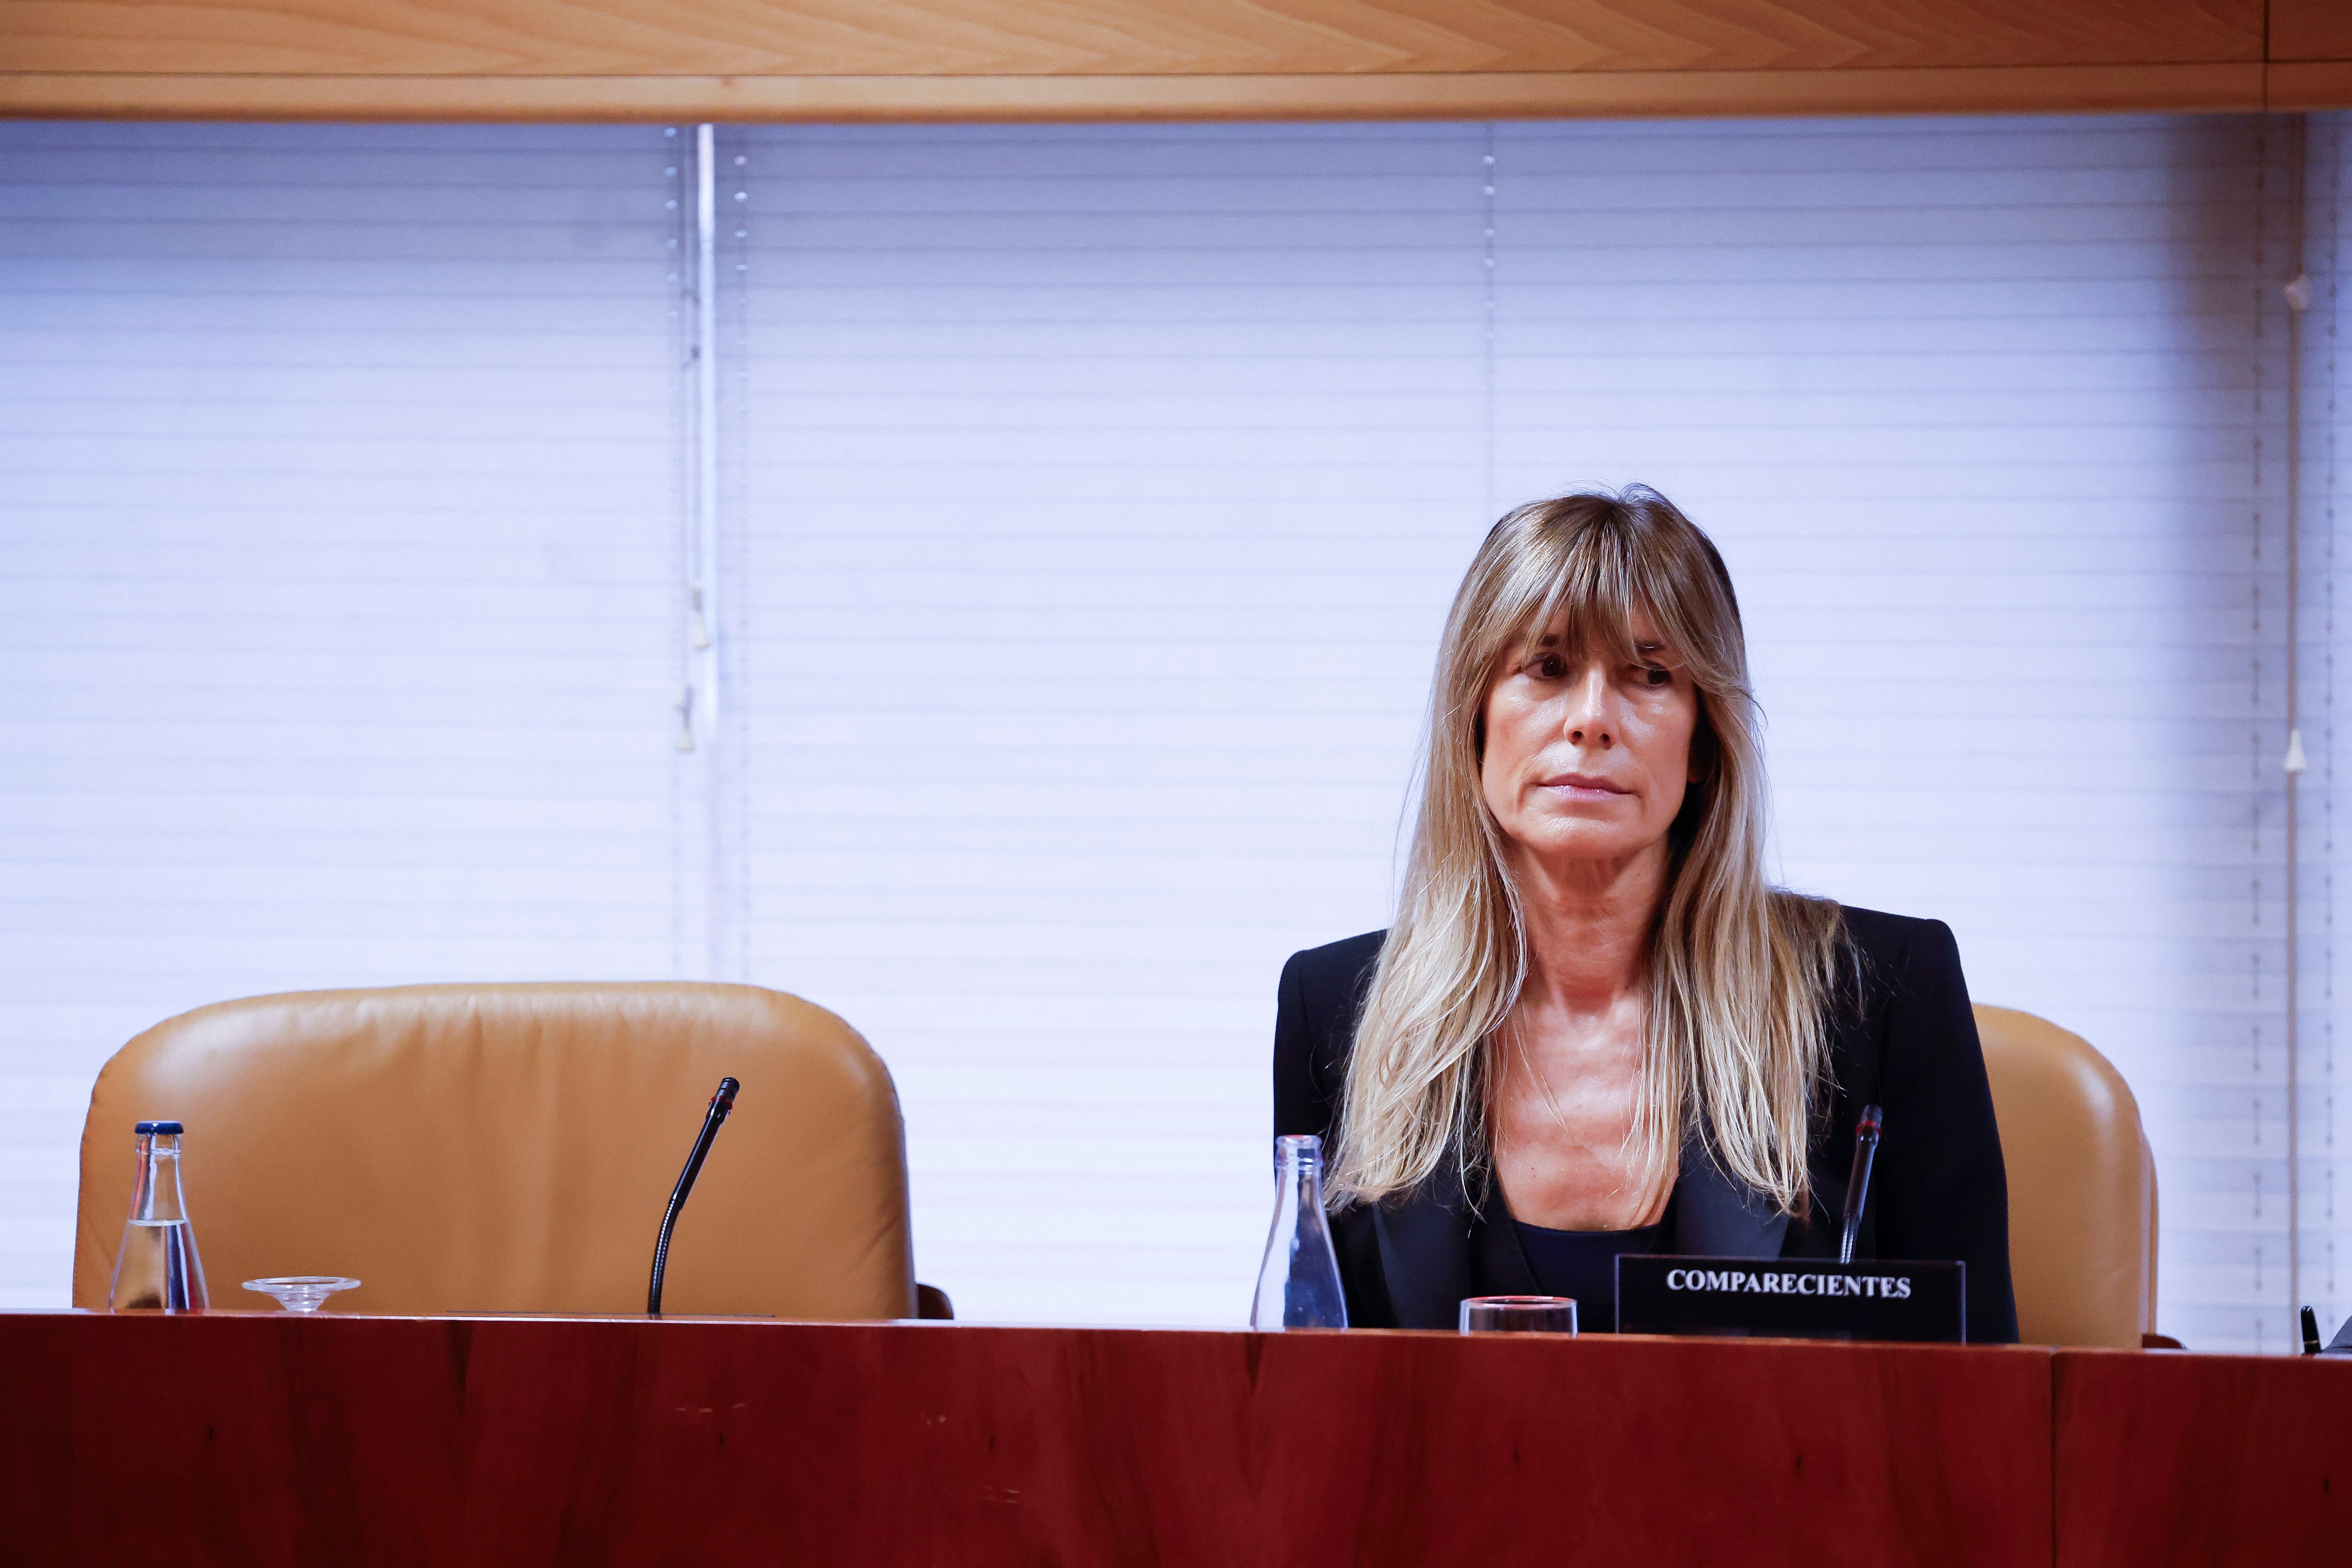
x: 1739, y: 973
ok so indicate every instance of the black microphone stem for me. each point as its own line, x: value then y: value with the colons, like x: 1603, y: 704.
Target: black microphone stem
x: 720, y: 1104
x: 1857, y: 1183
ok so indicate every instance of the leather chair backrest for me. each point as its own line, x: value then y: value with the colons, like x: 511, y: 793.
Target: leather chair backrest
x: 512, y: 1148
x: 2081, y: 1185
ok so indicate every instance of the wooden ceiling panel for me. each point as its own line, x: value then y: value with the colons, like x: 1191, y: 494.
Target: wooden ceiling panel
x: 2311, y: 30
x: 1108, y: 59
x: 1121, y: 38
x: 2019, y: 90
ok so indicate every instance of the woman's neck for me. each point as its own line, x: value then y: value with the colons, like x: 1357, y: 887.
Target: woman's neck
x: 1588, y: 926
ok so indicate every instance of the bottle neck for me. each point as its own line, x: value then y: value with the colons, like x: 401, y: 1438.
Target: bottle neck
x: 1299, y: 1178
x: 156, y: 1196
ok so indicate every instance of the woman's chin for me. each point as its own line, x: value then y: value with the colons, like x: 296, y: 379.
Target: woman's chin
x: 1568, y: 843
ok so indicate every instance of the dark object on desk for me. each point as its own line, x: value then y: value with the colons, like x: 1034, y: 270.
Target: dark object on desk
x: 1857, y: 1181
x: 1903, y: 1038
x: 712, y: 1121
x: 1922, y: 1303
x: 2310, y: 1331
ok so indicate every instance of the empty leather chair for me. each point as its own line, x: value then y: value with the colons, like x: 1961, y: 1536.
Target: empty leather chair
x: 2081, y: 1185
x: 512, y: 1148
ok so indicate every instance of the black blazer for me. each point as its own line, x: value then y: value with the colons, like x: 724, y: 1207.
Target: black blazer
x: 1903, y: 1038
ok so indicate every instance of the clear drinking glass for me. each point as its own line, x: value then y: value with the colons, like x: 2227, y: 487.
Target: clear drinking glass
x: 1298, y: 1283
x: 157, y: 1269
x: 1518, y: 1315
x: 301, y: 1292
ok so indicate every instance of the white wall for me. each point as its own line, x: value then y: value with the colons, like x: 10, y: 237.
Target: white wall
x: 1091, y: 497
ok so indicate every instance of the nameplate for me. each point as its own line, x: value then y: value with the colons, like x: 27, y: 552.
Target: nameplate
x: 1789, y: 1298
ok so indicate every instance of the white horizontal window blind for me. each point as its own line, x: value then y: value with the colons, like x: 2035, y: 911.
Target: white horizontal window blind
x: 339, y: 496
x: 1103, y: 491
x: 2321, y: 425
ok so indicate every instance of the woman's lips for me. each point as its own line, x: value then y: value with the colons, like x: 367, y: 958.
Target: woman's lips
x: 1583, y: 784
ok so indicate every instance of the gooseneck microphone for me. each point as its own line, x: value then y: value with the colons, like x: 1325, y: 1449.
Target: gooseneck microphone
x: 1857, y: 1182
x: 720, y: 1104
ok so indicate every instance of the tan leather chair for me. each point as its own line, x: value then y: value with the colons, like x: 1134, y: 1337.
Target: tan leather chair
x: 2081, y: 1185
x: 512, y: 1148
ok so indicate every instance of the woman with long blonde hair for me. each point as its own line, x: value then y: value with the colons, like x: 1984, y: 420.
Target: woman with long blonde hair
x: 1595, y: 1027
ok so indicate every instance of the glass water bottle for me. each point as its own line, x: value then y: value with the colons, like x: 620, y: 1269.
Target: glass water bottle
x: 1298, y: 1283
x: 157, y: 1269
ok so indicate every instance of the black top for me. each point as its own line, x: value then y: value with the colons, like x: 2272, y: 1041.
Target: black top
x: 1578, y: 1264
x: 1903, y: 1038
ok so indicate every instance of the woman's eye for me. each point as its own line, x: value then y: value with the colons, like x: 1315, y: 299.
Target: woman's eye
x: 1654, y: 674
x: 1549, y: 666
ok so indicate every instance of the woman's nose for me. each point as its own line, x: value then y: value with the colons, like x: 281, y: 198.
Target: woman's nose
x: 1588, y: 721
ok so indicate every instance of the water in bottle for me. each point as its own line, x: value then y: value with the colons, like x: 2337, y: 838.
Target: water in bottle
x: 1298, y: 1283
x: 157, y: 1269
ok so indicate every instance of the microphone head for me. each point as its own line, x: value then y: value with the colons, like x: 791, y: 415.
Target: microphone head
x: 724, y: 1100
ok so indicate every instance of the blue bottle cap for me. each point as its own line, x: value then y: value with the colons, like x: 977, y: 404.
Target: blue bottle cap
x: 143, y: 1128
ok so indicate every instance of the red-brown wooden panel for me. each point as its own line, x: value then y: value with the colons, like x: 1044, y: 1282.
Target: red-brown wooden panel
x: 2310, y: 30
x: 2203, y: 1461
x: 36, y: 1402
x: 2289, y: 85
x: 271, y: 1439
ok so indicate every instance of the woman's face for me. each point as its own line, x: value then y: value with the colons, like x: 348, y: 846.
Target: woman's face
x: 1587, y: 758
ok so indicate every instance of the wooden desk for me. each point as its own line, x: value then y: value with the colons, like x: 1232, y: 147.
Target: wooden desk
x: 2205, y: 1461
x: 269, y: 1439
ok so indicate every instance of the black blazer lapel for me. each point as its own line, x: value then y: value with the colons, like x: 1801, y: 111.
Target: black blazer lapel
x: 1425, y: 1251
x: 1715, y: 1216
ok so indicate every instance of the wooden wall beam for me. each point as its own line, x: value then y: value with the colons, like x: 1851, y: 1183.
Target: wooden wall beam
x: 1160, y: 60
x: 2310, y: 50
x: 1387, y: 96
x: 1106, y: 38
